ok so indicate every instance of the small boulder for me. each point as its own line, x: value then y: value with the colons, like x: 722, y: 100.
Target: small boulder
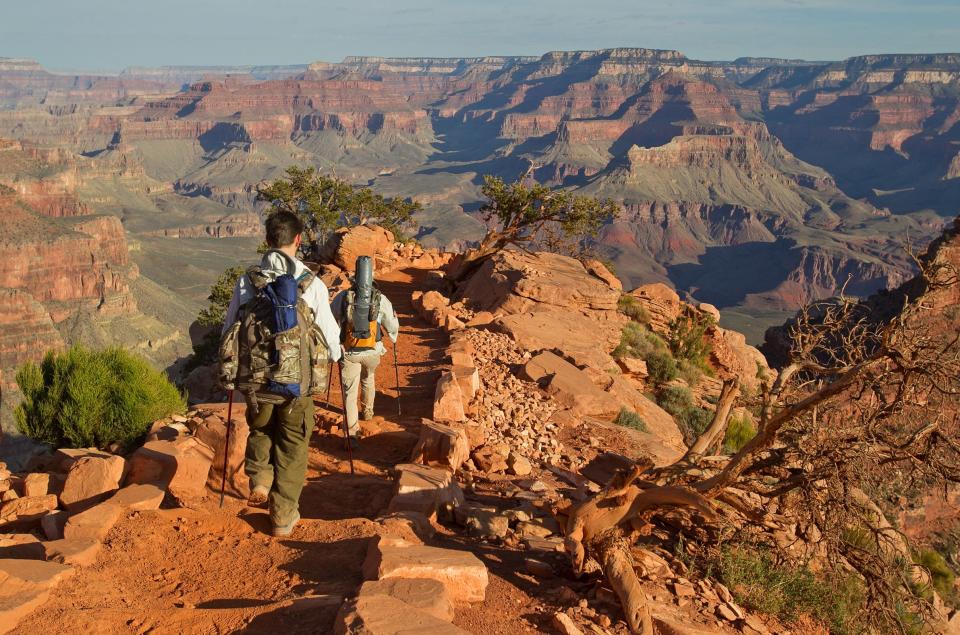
x: 406, y: 525
x: 433, y: 301
x: 139, y: 498
x: 462, y: 574
x: 25, y: 585
x: 93, y: 523
x: 65, y: 457
x: 599, y: 270
x: 213, y: 432
x: 36, y: 484
x: 481, y: 318
x: 79, y: 552
x: 569, y: 385
x: 424, y: 594
x: 90, y: 480
x: 518, y: 465
x: 486, y: 523
x: 633, y: 366
x: 181, y: 467
x: 488, y: 460
x: 26, y: 510
x: 448, y: 400
x: 441, y: 445
x: 425, y: 490
x: 52, y: 524
x: 564, y: 624
x: 460, y: 358
x: 347, y: 243
x: 468, y: 378
x: 387, y: 615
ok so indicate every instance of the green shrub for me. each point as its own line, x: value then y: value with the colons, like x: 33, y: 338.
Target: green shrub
x: 687, y: 341
x: 82, y: 398
x: 689, y: 372
x: 638, y: 341
x: 941, y: 576
x: 631, y: 307
x: 675, y: 399
x: 697, y: 420
x: 739, y: 432
x: 692, y: 420
x: 661, y: 368
x: 760, y: 584
x: 630, y: 419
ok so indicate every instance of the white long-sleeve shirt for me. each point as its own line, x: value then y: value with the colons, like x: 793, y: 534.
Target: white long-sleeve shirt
x: 387, y: 318
x: 316, y: 296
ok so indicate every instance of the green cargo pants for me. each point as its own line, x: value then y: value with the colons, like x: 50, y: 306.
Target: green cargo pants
x: 277, y: 453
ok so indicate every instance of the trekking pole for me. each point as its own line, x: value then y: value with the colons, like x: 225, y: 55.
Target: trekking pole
x: 226, y: 445
x: 329, y: 382
x: 396, y: 371
x: 346, y: 426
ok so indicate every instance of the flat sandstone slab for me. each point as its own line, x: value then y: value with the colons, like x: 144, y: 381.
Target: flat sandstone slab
x: 461, y: 573
x: 25, y: 585
x: 423, y: 594
x: 386, y: 615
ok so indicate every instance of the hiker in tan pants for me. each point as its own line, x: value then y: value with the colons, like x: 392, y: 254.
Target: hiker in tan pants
x: 363, y: 313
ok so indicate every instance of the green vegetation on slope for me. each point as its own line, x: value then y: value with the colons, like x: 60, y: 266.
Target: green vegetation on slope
x: 82, y: 398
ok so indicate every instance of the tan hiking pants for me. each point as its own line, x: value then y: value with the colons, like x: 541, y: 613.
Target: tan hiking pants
x: 359, y: 371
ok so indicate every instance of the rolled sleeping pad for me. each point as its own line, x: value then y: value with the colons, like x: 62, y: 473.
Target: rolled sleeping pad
x: 363, y: 294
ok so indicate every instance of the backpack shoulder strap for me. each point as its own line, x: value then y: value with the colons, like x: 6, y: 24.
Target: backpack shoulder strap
x: 256, y: 277
x: 304, y: 281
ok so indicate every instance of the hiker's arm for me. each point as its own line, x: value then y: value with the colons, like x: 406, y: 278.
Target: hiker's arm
x: 316, y: 298
x: 388, y: 318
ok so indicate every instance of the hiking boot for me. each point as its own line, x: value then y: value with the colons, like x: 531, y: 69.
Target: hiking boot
x: 281, y: 531
x: 258, y: 496
x: 353, y: 441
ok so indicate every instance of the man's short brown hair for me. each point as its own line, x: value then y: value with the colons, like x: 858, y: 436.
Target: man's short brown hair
x: 283, y: 228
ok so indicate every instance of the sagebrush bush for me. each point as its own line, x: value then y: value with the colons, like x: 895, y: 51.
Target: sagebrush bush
x: 630, y: 419
x: 638, y: 341
x: 761, y: 584
x: 941, y: 576
x: 661, y: 368
x: 692, y: 420
x: 739, y: 431
x: 631, y: 307
x: 675, y: 399
x: 83, y: 398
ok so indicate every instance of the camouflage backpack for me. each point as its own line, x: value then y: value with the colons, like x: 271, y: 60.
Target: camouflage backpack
x: 275, y: 351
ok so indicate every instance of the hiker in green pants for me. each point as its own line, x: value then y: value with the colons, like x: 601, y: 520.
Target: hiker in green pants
x: 278, y: 341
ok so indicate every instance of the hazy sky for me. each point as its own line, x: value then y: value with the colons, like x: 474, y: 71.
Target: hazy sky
x: 112, y: 34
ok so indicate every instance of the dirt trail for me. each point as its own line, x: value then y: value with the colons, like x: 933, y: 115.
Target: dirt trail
x: 206, y: 570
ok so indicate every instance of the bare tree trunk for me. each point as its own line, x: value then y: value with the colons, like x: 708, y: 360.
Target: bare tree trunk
x: 718, y: 427
x: 765, y: 438
x: 490, y: 245
x: 613, y: 553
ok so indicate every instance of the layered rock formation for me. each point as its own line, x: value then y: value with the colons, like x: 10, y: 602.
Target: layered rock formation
x: 819, y: 170
x: 68, y: 276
